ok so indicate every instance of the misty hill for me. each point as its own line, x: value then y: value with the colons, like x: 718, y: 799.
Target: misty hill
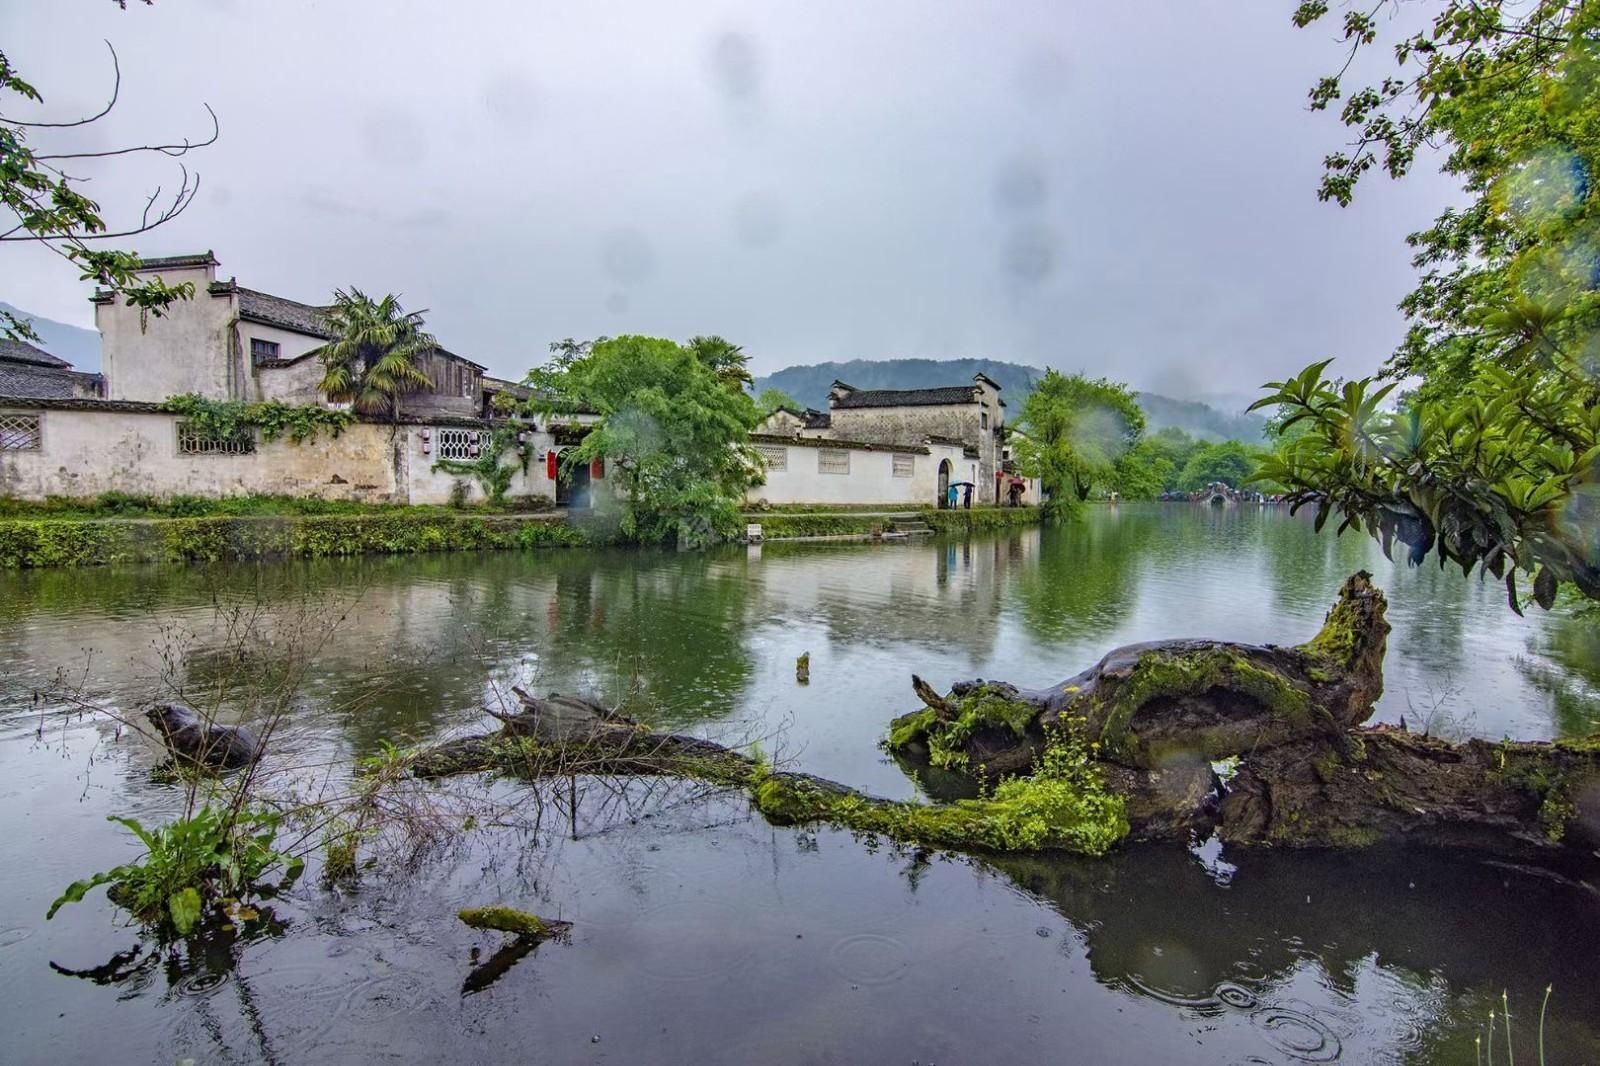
x: 809, y: 385
x: 1200, y: 419
x: 78, y: 346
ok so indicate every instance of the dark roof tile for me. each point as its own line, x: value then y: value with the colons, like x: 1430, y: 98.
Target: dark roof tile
x: 907, y: 397
x: 285, y: 314
x: 22, y: 352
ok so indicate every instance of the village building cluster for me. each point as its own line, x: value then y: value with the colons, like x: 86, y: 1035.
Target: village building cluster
x: 74, y: 434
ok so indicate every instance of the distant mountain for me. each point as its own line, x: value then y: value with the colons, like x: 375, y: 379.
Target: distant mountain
x: 809, y: 385
x: 1200, y: 419
x: 78, y: 346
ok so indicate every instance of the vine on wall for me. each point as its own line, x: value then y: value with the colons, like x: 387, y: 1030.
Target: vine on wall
x: 227, y: 419
x: 493, y: 476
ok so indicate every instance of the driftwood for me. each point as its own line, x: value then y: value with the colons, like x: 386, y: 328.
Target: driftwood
x: 1153, y: 705
x: 189, y: 736
x: 1157, y: 718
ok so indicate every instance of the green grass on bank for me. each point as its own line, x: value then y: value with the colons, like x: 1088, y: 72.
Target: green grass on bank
x: 130, y: 505
x: 80, y: 542
x: 832, y: 522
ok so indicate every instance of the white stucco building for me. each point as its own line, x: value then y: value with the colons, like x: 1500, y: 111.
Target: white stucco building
x: 900, y: 446
x: 230, y: 342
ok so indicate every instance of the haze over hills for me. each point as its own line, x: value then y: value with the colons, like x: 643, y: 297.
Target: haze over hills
x: 78, y: 346
x: 810, y: 384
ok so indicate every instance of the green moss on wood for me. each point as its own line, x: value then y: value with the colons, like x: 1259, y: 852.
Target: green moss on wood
x: 1063, y: 805
x: 1167, y: 674
x: 508, y: 920
x: 982, y: 707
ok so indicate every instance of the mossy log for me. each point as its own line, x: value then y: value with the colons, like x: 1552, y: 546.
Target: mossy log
x: 1515, y: 800
x: 1152, y: 705
x: 561, y: 735
x: 1112, y: 755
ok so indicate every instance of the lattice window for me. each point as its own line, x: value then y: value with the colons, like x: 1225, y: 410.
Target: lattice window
x: 20, y: 433
x: 260, y: 349
x: 833, y: 461
x: 197, y: 440
x: 775, y: 456
x: 460, y: 443
x: 904, y: 465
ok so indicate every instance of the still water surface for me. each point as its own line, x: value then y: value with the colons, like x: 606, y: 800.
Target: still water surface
x: 704, y: 935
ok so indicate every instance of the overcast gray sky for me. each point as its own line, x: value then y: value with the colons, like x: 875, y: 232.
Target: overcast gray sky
x: 1127, y: 189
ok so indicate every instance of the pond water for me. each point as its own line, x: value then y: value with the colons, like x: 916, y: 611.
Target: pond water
x: 701, y: 933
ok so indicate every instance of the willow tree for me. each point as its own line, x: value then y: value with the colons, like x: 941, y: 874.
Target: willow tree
x: 372, y: 360
x: 1494, y: 461
x: 1072, y: 433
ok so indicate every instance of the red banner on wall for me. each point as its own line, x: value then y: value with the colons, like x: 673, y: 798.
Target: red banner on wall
x: 550, y: 464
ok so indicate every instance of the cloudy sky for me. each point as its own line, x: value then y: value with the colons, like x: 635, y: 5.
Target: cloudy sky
x: 1126, y: 189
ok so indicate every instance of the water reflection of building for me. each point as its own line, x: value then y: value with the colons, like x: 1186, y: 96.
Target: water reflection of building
x: 943, y: 593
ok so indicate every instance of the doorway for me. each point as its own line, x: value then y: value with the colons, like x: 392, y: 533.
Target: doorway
x: 944, y: 484
x: 572, y: 486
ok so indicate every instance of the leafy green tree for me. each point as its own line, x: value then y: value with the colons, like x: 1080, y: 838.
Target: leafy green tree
x: 49, y: 208
x: 371, y: 363
x: 1073, y: 431
x: 1228, y: 461
x: 1511, y: 91
x: 671, y: 431
x: 1492, y: 462
x: 724, y: 359
x: 769, y: 400
x: 1153, y: 465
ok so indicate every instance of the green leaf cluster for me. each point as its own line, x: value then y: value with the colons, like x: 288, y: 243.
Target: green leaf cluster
x: 497, y: 464
x: 372, y: 361
x: 214, y: 854
x: 1072, y: 433
x: 673, y: 430
x: 49, y: 208
x: 228, y: 419
x: 1511, y: 92
x: 1503, y: 476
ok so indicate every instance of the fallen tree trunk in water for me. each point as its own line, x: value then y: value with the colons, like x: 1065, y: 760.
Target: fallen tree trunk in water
x: 1126, y: 750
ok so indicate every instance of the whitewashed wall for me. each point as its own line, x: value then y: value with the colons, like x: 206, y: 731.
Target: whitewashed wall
x: 871, y: 477
x: 85, y: 452
x: 187, y: 349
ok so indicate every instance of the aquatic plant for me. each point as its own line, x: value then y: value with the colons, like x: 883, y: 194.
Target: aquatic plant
x: 190, y: 865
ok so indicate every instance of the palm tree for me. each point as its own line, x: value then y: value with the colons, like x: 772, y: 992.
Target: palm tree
x: 724, y: 359
x: 372, y: 359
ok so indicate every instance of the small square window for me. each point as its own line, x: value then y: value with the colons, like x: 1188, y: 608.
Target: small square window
x: 776, y: 457
x: 904, y: 465
x: 833, y: 461
x: 20, y: 433
x: 198, y: 440
x: 260, y: 349
x: 983, y: 420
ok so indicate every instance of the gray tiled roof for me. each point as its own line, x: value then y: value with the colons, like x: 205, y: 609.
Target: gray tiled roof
x: 285, y: 314
x: 23, y: 352
x: 907, y: 397
x: 43, y: 382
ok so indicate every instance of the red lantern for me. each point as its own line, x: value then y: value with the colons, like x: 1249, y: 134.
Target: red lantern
x: 550, y: 464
